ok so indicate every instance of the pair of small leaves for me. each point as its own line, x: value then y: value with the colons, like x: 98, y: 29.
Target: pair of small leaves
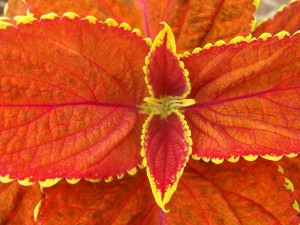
x: 207, y: 193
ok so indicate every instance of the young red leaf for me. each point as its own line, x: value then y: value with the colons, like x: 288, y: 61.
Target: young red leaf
x: 166, y: 148
x: 287, y: 19
x: 242, y: 193
x: 165, y: 74
x: 69, y: 90
x: 17, y: 203
x: 247, y: 98
x: 166, y: 137
x: 194, y: 23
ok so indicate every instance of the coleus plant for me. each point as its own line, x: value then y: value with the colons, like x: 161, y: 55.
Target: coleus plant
x: 81, y: 98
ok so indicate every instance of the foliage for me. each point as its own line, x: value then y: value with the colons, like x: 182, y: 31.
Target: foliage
x: 87, y: 100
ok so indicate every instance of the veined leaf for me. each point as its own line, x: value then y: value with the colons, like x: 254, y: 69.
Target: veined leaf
x: 166, y: 149
x: 287, y: 18
x: 194, y: 23
x: 18, y: 203
x: 207, y: 194
x: 248, y: 98
x: 69, y: 90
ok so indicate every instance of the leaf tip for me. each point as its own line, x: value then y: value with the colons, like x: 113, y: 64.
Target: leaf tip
x: 167, y: 33
x: 256, y: 3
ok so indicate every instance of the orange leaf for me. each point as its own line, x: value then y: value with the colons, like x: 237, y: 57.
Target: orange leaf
x: 69, y: 90
x: 247, y: 98
x: 194, y: 23
x: 287, y: 19
x: 17, y: 203
x: 242, y: 193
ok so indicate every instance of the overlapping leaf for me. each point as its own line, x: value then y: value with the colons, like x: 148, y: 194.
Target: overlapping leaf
x: 193, y: 22
x: 287, y: 19
x: 248, y: 99
x: 207, y: 194
x: 291, y: 170
x: 17, y: 203
x: 69, y: 90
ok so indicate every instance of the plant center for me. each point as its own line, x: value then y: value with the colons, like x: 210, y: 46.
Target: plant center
x: 165, y: 106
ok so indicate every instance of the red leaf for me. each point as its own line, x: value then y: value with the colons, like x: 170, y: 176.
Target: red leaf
x: 18, y: 203
x: 194, y: 23
x: 165, y: 74
x: 166, y: 148
x: 247, y: 98
x: 242, y: 193
x: 286, y: 19
x: 69, y: 90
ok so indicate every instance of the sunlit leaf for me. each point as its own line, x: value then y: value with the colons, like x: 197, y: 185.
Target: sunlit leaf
x: 248, y: 99
x: 69, y: 90
x: 242, y: 193
x: 287, y: 19
x: 17, y: 203
x: 194, y: 22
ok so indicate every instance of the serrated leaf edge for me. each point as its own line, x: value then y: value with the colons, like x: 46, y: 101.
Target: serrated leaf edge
x: 238, y: 39
x: 288, y: 185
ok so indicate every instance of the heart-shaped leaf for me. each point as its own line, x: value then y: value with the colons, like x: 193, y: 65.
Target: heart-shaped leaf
x: 247, y: 98
x: 69, y: 94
